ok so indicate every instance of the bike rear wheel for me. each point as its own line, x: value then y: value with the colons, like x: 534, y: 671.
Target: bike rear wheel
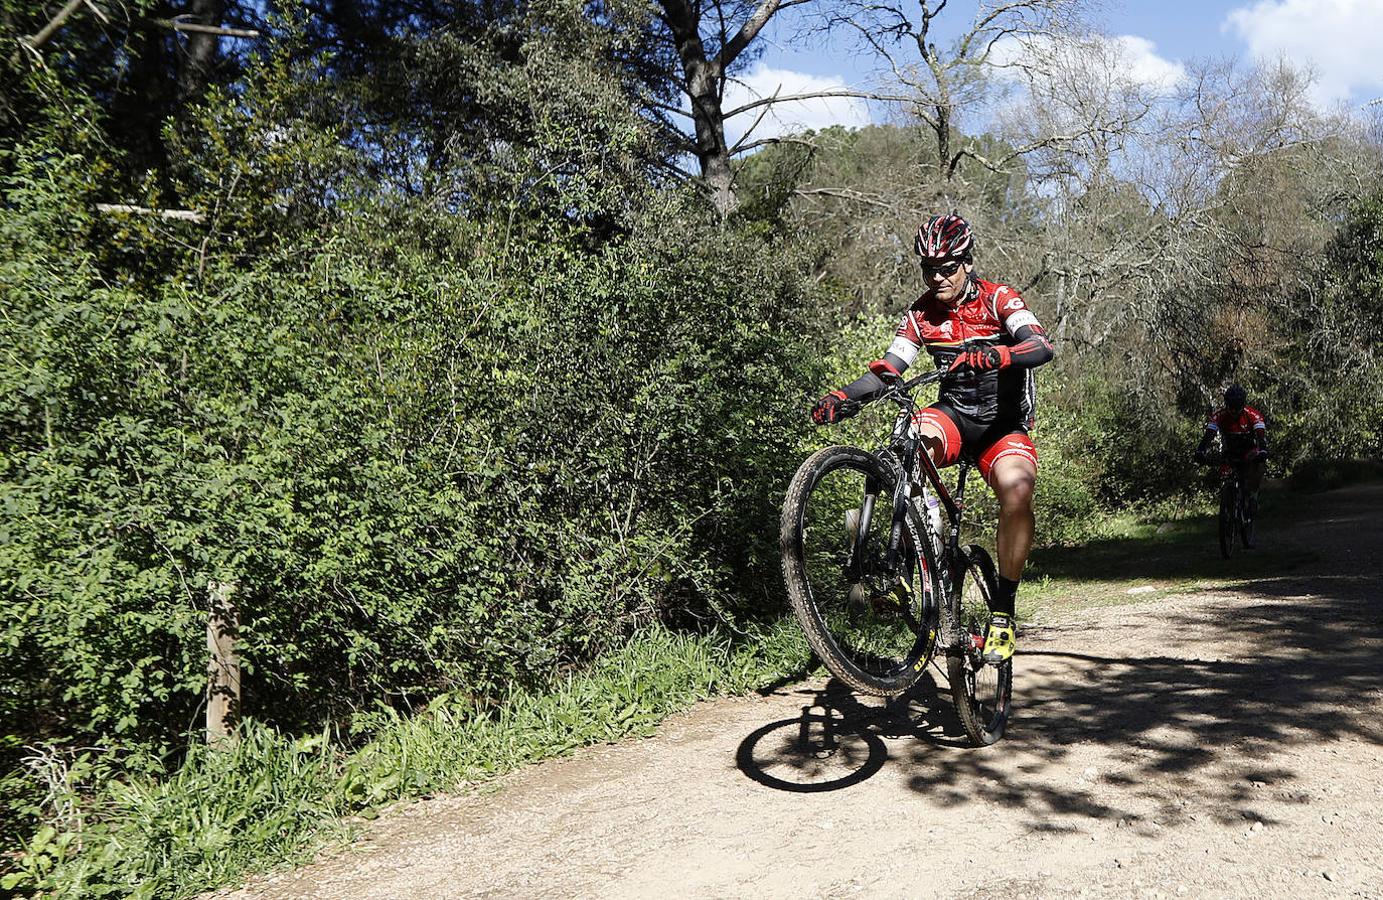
x: 983, y: 692
x: 1229, y: 518
x: 874, y: 628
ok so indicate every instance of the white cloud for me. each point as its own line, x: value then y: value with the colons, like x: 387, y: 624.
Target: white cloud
x: 762, y: 82
x: 1144, y: 66
x: 1340, y: 39
x: 1127, y: 59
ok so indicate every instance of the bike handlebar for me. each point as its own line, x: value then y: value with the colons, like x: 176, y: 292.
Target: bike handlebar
x: 924, y: 378
x: 895, y: 389
x: 898, y: 389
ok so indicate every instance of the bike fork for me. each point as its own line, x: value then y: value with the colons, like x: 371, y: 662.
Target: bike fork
x: 857, y: 523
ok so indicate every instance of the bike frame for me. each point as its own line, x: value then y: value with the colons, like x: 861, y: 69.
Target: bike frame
x: 906, y: 450
x: 1234, y: 477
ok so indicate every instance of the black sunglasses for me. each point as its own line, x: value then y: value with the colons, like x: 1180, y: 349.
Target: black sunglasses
x: 945, y: 270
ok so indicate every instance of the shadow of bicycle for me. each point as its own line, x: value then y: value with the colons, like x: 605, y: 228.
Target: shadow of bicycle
x: 841, y: 740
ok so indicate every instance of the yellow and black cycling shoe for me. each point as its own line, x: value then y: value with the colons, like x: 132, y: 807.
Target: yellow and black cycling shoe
x: 1001, y: 639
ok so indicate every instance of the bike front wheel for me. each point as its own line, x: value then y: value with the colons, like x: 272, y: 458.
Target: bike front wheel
x: 983, y: 692
x: 1246, y: 524
x: 870, y: 616
x: 1229, y: 519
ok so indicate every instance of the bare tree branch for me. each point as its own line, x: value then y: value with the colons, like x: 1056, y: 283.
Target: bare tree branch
x: 96, y: 10
x: 732, y: 48
x: 180, y: 215
x: 845, y: 194
x: 763, y: 142
x: 765, y: 110
x: 816, y: 95
x: 1054, y: 140
x: 1000, y: 11
x: 38, y: 39
x: 751, y: 28
x: 179, y: 25
x: 675, y: 110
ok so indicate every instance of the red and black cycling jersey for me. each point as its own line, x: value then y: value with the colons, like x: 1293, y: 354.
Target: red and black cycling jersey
x: 993, y: 314
x: 1239, y: 432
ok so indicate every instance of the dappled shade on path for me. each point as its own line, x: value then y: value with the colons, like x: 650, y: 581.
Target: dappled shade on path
x: 1198, y: 720
x: 1298, y: 534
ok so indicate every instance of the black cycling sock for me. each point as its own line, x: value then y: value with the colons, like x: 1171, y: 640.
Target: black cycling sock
x: 1006, y: 598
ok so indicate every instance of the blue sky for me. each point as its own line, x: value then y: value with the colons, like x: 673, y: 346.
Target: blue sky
x: 1341, y: 39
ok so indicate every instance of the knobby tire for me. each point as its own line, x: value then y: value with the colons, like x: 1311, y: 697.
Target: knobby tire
x: 815, y: 586
x: 983, y: 692
x: 1228, y: 519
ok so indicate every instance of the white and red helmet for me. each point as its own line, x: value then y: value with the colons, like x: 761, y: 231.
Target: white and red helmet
x: 944, y: 237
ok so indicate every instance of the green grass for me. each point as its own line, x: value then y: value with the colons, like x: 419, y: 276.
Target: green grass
x: 275, y: 800
x: 1168, y: 549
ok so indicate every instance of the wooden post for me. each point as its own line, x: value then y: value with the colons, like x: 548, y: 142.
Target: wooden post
x: 223, y: 670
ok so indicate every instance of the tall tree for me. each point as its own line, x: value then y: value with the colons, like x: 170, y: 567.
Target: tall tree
x: 941, y: 81
x: 711, y: 40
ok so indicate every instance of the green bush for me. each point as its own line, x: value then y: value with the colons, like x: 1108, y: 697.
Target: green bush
x: 438, y: 450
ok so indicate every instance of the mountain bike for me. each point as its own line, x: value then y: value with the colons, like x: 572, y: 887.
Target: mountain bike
x: 879, y: 581
x: 1235, y: 519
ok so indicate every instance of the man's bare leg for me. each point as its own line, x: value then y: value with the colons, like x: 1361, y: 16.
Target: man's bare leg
x: 933, y: 440
x: 1012, y: 479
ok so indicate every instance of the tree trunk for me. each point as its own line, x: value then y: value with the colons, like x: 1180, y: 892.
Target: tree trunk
x: 702, y: 83
x: 712, y: 151
x: 201, y: 50
x: 943, y: 141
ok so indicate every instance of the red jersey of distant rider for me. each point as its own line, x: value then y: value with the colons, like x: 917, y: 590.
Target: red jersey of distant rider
x: 1236, y: 430
x: 990, y: 317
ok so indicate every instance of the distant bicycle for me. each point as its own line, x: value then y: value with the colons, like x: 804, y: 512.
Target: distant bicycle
x: 880, y: 583
x: 1235, y: 517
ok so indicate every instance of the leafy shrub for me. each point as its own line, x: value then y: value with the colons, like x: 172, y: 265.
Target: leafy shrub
x: 432, y: 457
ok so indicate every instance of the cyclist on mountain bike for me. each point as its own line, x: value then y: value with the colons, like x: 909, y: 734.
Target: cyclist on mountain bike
x: 987, y: 340
x: 1243, y: 440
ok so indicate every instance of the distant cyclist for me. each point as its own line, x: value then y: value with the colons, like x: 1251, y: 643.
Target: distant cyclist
x: 987, y: 341
x: 1243, y: 440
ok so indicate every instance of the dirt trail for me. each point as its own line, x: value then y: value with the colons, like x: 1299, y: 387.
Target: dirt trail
x: 1231, y: 746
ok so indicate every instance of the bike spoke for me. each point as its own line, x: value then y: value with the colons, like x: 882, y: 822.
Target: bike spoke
x: 861, y: 605
x: 981, y: 690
